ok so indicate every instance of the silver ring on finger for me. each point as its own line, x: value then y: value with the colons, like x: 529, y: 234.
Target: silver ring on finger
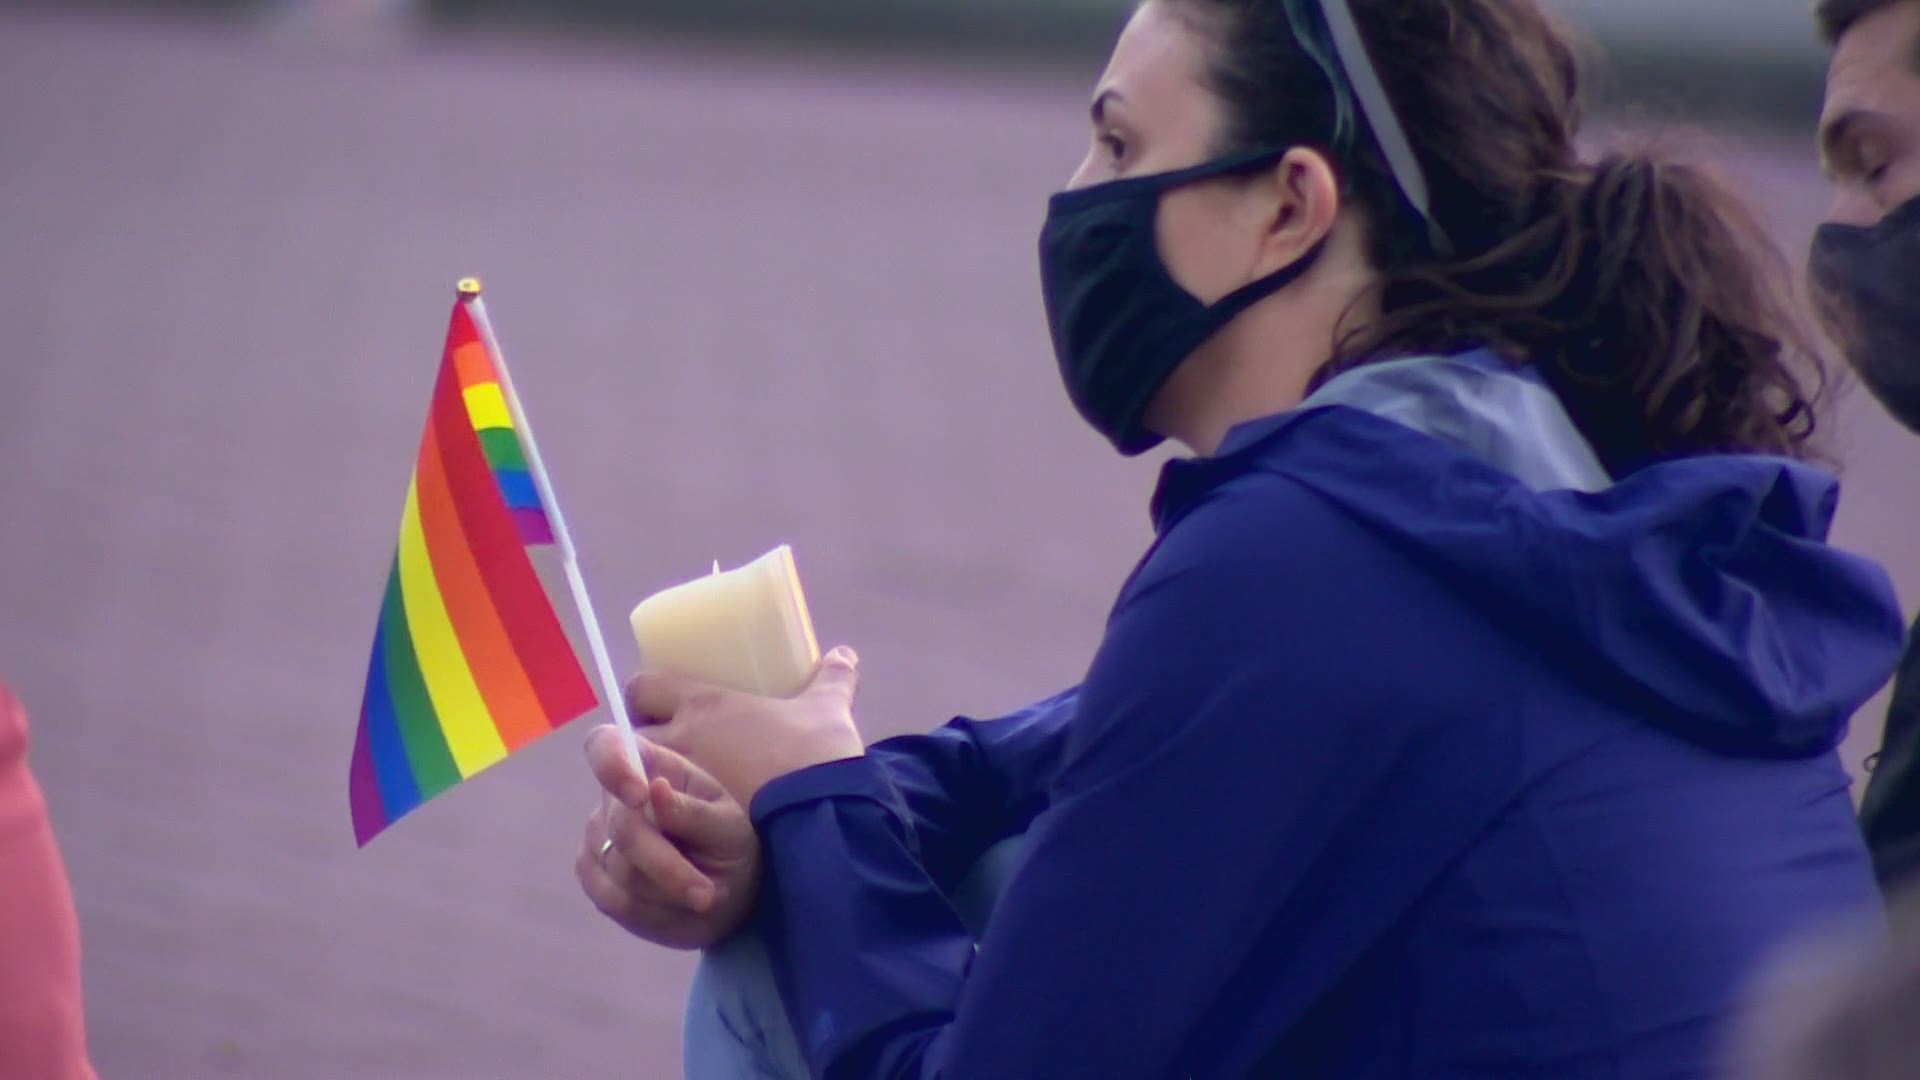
x: 605, y: 846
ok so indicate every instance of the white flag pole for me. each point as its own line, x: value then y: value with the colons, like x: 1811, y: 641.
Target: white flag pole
x: 469, y: 289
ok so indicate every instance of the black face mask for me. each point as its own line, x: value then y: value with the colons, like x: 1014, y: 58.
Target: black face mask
x: 1870, y: 277
x: 1120, y: 323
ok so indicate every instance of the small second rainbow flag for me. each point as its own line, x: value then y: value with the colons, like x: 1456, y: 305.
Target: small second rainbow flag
x: 470, y: 659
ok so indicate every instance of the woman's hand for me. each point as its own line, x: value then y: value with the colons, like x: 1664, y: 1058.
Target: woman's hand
x: 686, y: 882
x: 745, y: 741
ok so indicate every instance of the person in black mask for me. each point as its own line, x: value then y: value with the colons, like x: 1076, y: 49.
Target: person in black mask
x: 1473, y: 712
x: 1866, y: 270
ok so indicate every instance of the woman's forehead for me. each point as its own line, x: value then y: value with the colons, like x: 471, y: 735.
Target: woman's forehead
x: 1160, y: 53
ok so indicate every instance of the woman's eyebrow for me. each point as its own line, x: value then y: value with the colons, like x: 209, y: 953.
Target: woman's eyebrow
x: 1098, y: 110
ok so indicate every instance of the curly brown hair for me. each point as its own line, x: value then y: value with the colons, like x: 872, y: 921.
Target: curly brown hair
x: 1647, y: 294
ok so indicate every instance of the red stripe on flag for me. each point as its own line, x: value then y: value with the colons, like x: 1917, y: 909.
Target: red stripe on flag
x: 512, y: 703
x: 524, y: 606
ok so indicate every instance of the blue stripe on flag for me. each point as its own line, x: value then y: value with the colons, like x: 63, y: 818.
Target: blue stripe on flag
x: 516, y: 486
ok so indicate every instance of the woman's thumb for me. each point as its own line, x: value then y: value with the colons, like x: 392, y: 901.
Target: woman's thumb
x: 838, y: 673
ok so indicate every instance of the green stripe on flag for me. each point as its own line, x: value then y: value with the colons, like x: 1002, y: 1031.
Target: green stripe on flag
x: 433, y: 767
x: 502, y: 448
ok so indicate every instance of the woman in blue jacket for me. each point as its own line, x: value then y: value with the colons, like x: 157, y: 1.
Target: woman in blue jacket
x: 1472, y: 713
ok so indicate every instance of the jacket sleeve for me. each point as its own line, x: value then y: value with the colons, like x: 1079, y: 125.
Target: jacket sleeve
x: 1250, y: 797
x: 973, y: 783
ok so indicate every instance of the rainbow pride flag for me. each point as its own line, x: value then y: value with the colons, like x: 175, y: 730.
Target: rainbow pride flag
x: 470, y: 660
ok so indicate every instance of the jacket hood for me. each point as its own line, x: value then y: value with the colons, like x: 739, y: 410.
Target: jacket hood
x: 1700, y: 591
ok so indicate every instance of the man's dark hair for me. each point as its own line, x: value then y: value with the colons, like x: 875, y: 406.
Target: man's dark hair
x: 1836, y: 17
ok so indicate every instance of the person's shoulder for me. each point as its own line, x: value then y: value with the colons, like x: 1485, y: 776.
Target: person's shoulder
x: 1256, y: 518
x: 1334, y: 463
x: 1332, y: 516
x: 1261, y: 555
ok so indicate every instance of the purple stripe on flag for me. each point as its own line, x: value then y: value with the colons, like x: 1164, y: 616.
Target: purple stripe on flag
x: 363, y: 791
x: 533, y: 526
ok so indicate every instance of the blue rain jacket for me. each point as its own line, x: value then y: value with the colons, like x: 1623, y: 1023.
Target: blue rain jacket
x: 1415, y: 747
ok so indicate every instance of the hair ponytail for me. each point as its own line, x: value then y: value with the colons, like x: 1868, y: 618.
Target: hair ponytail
x: 1649, y: 298
x: 1645, y: 291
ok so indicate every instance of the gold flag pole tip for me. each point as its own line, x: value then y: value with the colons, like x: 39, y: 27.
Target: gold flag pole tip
x: 468, y: 288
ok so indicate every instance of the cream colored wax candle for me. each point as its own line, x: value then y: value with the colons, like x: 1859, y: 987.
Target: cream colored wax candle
x: 746, y: 629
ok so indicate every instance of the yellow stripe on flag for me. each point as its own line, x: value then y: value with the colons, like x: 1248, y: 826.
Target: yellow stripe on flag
x: 487, y: 407
x: 463, y: 714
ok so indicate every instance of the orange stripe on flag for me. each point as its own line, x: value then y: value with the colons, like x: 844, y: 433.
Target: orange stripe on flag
x: 471, y: 361
x: 474, y: 366
x: 515, y: 709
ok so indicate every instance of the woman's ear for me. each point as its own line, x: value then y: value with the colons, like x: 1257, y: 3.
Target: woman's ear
x: 1305, y: 201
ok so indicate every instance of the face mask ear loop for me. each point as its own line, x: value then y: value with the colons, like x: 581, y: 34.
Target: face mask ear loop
x: 1232, y: 304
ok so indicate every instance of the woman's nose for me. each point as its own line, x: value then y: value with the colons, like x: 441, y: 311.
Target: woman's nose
x: 1853, y: 206
x: 1082, y: 176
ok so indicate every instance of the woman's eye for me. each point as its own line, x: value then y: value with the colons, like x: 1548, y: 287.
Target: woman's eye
x: 1116, y: 149
x: 1872, y: 158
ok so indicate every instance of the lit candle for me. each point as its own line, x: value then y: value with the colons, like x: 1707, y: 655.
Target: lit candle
x: 745, y: 629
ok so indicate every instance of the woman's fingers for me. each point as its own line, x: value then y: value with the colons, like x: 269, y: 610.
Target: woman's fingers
x: 652, y: 919
x: 707, y: 825
x: 682, y: 739
x: 606, y: 749
x: 607, y: 757
x: 642, y: 856
x: 664, y: 764
x: 644, y: 864
x: 670, y: 765
x: 672, y: 735
x: 591, y: 869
